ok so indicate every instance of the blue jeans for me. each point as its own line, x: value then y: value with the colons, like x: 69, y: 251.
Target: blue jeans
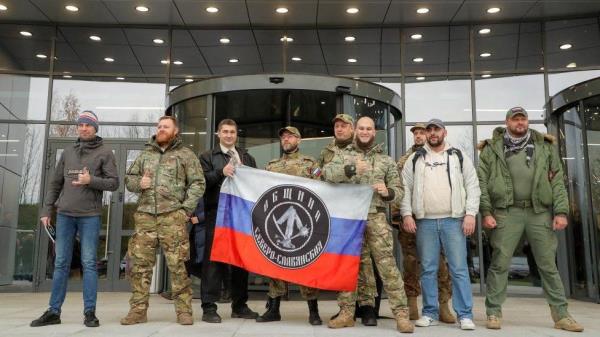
x: 432, y: 235
x: 67, y: 227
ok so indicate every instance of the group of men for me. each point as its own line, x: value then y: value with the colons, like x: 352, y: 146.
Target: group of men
x: 434, y: 191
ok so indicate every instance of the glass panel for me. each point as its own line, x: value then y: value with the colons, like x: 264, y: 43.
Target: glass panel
x: 311, y: 113
x: 592, y: 121
x: 459, y: 136
x: 21, y: 154
x: 122, y: 253
x: 111, y: 99
x: 446, y: 99
x: 572, y: 141
x: 561, y: 81
x: 23, y: 97
x: 131, y: 199
x: 192, y: 118
x: 496, y: 95
x: 25, y: 47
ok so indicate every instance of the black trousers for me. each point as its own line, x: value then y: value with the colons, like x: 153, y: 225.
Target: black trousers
x: 214, y: 272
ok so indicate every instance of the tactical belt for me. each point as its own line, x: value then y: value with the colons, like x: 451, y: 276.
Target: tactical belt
x: 522, y: 203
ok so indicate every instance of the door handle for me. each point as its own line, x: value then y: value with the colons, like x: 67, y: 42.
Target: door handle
x: 120, y: 196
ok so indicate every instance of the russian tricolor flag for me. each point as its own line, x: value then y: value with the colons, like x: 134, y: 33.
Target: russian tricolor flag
x: 295, y: 229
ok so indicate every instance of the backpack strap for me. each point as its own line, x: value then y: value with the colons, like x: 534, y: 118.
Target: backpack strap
x: 420, y: 152
x: 458, y: 153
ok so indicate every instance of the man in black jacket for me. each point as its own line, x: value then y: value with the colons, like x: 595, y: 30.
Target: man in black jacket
x: 218, y: 163
x: 83, y: 172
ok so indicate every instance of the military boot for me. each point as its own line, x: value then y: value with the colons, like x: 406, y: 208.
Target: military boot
x: 368, y: 317
x: 493, y: 322
x: 413, y: 308
x: 446, y: 315
x: 272, y: 314
x: 569, y: 324
x: 185, y: 318
x: 313, y: 313
x: 564, y: 321
x: 134, y: 316
x: 345, y: 318
x: 403, y: 324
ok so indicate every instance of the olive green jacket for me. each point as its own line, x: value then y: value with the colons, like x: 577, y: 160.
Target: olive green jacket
x: 497, y: 190
x: 177, y: 178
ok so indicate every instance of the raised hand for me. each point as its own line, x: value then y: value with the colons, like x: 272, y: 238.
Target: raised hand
x: 82, y: 178
x: 146, y: 181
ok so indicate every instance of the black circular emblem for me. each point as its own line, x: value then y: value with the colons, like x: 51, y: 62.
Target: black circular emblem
x: 290, y: 226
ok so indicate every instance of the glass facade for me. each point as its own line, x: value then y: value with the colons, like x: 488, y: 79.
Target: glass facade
x: 40, y: 97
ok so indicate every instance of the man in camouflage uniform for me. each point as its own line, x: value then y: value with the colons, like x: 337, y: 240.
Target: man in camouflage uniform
x: 169, y: 180
x: 366, y: 290
x: 410, y: 259
x: 296, y: 164
x: 365, y: 163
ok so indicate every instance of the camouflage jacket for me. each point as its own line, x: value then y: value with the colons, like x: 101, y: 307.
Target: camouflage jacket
x: 295, y: 164
x: 382, y: 169
x: 327, y: 153
x: 177, y: 178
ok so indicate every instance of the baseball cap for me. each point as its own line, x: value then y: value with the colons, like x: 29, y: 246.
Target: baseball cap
x: 294, y: 131
x: 344, y: 118
x: 418, y: 126
x: 436, y: 122
x: 516, y: 111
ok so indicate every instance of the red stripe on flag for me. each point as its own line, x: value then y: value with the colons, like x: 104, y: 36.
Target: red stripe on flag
x: 329, y: 271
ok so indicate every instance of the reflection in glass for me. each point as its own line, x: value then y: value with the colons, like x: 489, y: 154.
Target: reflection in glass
x: 23, y: 97
x: 496, y: 95
x: 448, y: 100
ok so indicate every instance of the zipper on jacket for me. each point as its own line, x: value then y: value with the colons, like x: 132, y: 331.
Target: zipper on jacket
x: 156, y: 181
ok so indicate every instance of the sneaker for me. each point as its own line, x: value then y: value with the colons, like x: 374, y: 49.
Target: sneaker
x: 467, y: 324
x: 47, y: 318
x: 426, y: 321
x: 90, y: 320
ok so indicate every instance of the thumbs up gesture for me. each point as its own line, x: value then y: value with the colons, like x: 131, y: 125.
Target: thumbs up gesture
x: 83, y: 178
x: 146, y: 180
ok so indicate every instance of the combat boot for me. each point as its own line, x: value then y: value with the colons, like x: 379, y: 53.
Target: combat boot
x: 313, y: 313
x: 403, y: 324
x: 345, y: 318
x: 134, y: 316
x: 368, y: 317
x: 446, y: 315
x: 569, y: 324
x: 413, y: 308
x: 493, y: 322
x: 272, y: 314
x: 185, y: 318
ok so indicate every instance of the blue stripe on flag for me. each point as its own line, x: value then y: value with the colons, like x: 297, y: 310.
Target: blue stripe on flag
x: 344, y: 235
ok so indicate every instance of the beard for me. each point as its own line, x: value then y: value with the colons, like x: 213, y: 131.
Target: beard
x: 438, y: 142
x: 164, y: 138
x: 289, y: 148
x: 515, y: 132
x: 365, y: 145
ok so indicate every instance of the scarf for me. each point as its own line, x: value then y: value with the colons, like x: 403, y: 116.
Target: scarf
x: 513, y: 145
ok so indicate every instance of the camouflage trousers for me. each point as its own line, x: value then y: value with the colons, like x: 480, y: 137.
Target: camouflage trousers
x: 168, y: 230
x: 412, y: 270
x: 278, y: 288
x: 378, y: 241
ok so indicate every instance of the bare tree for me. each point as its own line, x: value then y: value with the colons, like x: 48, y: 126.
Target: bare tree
x: 30, y: 176
x: 65, y: 109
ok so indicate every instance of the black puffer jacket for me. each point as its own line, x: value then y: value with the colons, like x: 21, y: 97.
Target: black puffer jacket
x: 213, y: 162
